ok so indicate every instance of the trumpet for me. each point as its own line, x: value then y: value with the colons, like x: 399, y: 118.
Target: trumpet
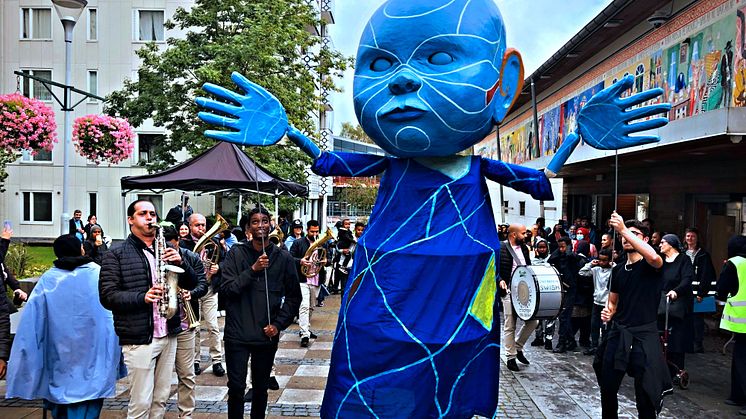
x: 211, y: 248
x: 315, y: 254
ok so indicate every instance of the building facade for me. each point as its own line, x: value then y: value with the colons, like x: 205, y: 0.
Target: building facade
x: 105, y: 40
x: 696, y: 52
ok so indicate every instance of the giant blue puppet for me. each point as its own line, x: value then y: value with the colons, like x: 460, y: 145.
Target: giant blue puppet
x: 418, y: 334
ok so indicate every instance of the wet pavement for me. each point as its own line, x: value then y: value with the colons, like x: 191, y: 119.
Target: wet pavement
x: 553, y: 386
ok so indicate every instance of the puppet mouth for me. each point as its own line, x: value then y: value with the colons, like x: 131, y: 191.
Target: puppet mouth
x: 404, y: 113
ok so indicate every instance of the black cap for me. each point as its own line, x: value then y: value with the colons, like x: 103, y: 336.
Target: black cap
x: 66, y: 245
x: 296, y: 224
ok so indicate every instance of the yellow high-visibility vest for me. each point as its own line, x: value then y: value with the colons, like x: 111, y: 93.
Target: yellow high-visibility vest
x: 734, y: 314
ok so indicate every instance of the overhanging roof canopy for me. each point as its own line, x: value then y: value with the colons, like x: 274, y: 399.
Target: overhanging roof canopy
x: 224, y: 167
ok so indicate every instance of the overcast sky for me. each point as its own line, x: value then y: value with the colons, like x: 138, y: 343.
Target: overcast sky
x: 536, y: 28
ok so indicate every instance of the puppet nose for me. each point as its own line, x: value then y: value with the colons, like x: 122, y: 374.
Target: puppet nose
x: 405, y: 82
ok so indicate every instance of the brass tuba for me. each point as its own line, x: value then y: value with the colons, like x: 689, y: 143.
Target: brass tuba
x: 212, y: 249
x: 315, y: 254
x: 276, y: 236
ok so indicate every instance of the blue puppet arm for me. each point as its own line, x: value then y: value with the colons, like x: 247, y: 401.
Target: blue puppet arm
x: 349, y: 164
x: 607, y: 120
x: 523, y: 179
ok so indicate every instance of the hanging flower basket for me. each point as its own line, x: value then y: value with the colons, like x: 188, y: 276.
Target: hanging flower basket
x: 103, y: 138
x: 26, y: 124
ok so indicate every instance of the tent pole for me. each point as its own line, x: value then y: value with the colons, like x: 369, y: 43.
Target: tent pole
x: 240, y: 203
x: 124, y: 215
x: 277, y: 207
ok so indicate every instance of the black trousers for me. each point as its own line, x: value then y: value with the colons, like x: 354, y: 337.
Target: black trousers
x: 236, y: 362
x: 611, y: 380
x: 597, y: 326
x: 738, y: 370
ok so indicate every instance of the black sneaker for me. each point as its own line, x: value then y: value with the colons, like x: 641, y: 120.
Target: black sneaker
x: 560, y: 349
x: 522, y: 358
x: 538, y: 342
x: 590, y: 351
x: 273, y: 384
x: 218, y: 370
x: 197, y: 369
x: 313, y: 336
x: 249, y: 395
x: 512, y: 365
x: 304, y: 342
x: 548, y: 345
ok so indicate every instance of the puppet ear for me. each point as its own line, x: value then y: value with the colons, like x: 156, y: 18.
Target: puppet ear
x: 510, y: 84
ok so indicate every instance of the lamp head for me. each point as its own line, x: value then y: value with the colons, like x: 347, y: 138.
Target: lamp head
x: 69, y: 10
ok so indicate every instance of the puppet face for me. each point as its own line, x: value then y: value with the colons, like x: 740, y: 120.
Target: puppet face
x: 427, y: 79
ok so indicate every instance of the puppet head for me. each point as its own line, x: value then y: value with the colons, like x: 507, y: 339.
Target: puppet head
x: 433, y: 77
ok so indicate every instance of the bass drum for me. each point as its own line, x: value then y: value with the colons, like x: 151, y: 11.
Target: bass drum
x: 536, y: 292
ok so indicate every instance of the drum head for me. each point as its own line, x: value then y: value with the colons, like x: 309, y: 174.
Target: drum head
x: 524, y: 293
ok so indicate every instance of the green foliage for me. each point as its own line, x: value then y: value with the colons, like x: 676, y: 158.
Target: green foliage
x: 6, y: 158
x: 265, y: 40
x: 358, y: 194
x: 27, y: 261
x: 354, y: 132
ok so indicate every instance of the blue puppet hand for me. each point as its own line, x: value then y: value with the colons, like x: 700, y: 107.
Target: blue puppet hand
x: 605, y: 122
x: 255, y: 118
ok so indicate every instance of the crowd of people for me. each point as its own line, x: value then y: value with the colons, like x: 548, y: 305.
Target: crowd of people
x: 622, y: 288
x: 118, y: 301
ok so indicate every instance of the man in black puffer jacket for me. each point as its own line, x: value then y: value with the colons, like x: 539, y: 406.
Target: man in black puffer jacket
x: 127, y: 288
x: 248, y: 330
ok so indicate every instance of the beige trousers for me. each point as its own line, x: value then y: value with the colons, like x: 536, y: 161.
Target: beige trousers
x: 511, y: 344
x: 149, y: 369
x: 185, y: 372
x: 209, y: 307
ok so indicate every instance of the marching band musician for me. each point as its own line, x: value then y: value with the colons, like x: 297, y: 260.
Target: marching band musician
x: 307, y: 288
x: 129, y: 287
x: 256, y: 273
x: 208, y: 303
x: 514, y: 253
x: 185, y: 334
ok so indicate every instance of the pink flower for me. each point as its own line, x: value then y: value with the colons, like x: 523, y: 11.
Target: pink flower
x: 103, y: 138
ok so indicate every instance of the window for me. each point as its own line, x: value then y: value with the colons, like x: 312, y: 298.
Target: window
x: 35, y: 89
x: 92, y: 203
x: 521, y: 207
x: 36, y: 23
x: 506, y: 204
x: 41, y: 155
x: 146, y: 146
x: 149, y: 25
x: 92, y: 84
x: 92, y: 24
x: 639, y: 78
x: 157, y: 201
x: 37, y: 207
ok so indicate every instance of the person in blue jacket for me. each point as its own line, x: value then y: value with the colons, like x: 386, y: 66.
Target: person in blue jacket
x: 65, y: 350
x: 417, y: 334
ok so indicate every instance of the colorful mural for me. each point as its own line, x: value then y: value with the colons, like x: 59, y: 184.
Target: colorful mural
x: 699, y: 72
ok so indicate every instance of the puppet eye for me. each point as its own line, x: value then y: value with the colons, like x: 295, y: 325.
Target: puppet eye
x: 380, y: 64
x: 440, y: 58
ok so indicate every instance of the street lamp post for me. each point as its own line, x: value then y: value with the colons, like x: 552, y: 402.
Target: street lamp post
x: 68, y: 11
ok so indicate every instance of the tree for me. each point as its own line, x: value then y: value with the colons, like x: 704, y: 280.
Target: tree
x: 265, y: 40
x: 354, y: 132
x: 359, y: 193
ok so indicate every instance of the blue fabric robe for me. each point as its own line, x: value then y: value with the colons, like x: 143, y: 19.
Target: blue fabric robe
x: 418, y: 332
x: 65, y: 350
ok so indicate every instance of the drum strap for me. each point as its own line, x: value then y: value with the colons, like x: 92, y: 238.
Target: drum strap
x: 513, y: 254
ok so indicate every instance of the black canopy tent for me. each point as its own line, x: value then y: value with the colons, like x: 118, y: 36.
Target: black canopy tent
x: 222, y: 168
